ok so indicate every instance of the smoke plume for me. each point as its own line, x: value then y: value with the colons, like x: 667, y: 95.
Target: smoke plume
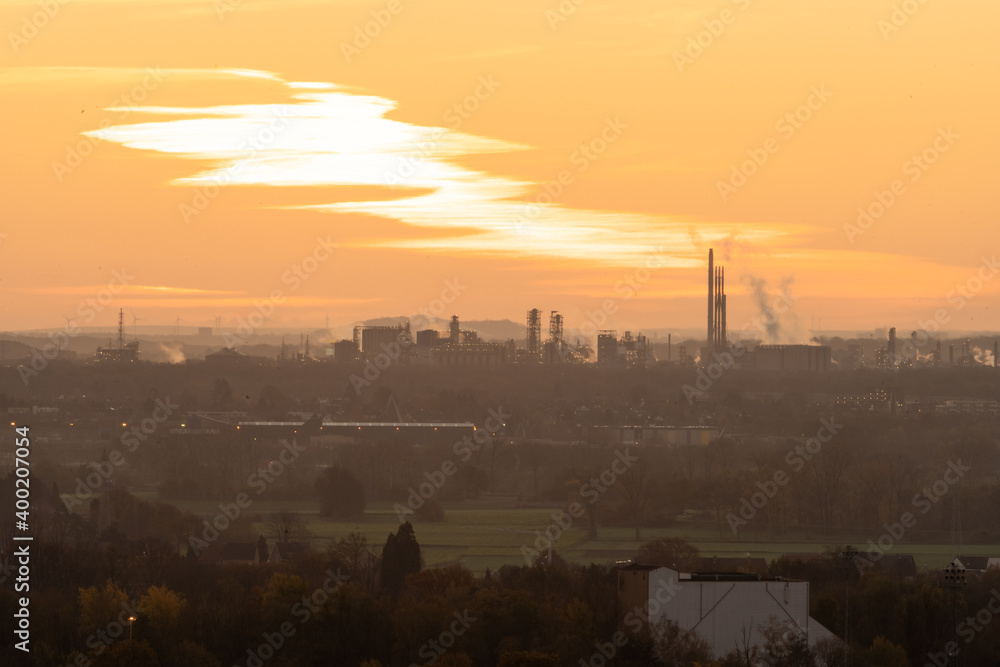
x: 173, y: 353
x: 776, y: 316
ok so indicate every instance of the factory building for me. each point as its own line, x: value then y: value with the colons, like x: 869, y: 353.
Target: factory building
x: 346, y: 351
x: 478, y: 355
x: 461, y: 347
x: 375, y: 340
x: 533, y: 337
x: 555, y: 349
x: 624, y: 352
x: 792, y: 358
x: 122, y: 351
x: 428, y: 338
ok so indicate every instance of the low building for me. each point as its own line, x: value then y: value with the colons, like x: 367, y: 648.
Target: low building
x: 976, y: 565
x: 793, y: 358
x: 477, y: 355
x: 287, y: 552
x: 240, y: 553
x: 876, y: 400
x: 653, y: 435
x: 124, y: 353
x: 412, y: 432
x: 726, y: 609
x: 968, y: 406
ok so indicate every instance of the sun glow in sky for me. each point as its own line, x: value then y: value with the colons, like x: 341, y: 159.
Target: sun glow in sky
x: 541, y: 157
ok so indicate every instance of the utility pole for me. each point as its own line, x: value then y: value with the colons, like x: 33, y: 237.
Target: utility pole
x: 954, y: 578
x: 847, y: 557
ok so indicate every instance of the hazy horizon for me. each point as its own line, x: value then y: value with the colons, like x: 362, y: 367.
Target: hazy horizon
x: 538, y: 158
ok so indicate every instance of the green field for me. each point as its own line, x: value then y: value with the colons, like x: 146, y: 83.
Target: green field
x: 491, y: 533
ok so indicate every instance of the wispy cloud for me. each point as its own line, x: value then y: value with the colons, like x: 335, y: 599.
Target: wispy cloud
x: 334, y: 137
x: 34, y: 75
x: 137, y: 290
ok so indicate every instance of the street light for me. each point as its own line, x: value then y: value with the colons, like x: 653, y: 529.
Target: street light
x: 131, y: 620
x: 847, y: 556
x: 954, y: 578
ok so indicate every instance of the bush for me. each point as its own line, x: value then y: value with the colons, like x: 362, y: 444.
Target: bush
x: 431, y: 511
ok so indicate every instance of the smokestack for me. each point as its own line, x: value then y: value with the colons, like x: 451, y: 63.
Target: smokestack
x: 711, y: 301
x: 723, y: 341
x: 668, y: 349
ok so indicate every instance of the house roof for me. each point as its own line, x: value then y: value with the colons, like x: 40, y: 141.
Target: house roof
x: 727, y: 576
x: 974, y: 562
x: 288, y: 550
x: 704, y: 575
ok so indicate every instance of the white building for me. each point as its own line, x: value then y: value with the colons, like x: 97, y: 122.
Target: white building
x: 723, y: 608
x: 976, y: 564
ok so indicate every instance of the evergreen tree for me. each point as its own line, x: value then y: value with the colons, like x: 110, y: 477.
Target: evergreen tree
x: 400, y: 557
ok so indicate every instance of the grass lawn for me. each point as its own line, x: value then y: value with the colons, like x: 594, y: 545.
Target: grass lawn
x: 491, y: 532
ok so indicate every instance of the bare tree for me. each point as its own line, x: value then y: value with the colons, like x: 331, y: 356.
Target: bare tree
x: 675, y: 647
x: 827, y: 476
x: 672, y: 552
x: 873, y: 483
x: 746, y: 653
x: 634, y: 487
x: 151, y: 559
x: 357, y: 557
x: 285, y: 526
x: 591, y: 503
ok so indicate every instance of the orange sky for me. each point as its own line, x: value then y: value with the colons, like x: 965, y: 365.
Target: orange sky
x: 121, y: 117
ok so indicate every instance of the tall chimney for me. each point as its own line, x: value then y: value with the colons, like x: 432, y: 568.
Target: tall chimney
x: 723, y: 340
x: 711, y: 301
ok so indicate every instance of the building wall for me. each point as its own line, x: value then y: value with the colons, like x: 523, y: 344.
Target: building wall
x: 345, y: 351
x: 793, y: 358
x: 633, y: 588
x: 607, y: 349
x: 720, y: 611
x: 482, y: 355
x: 428, y: 338
x: 374, y: 340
